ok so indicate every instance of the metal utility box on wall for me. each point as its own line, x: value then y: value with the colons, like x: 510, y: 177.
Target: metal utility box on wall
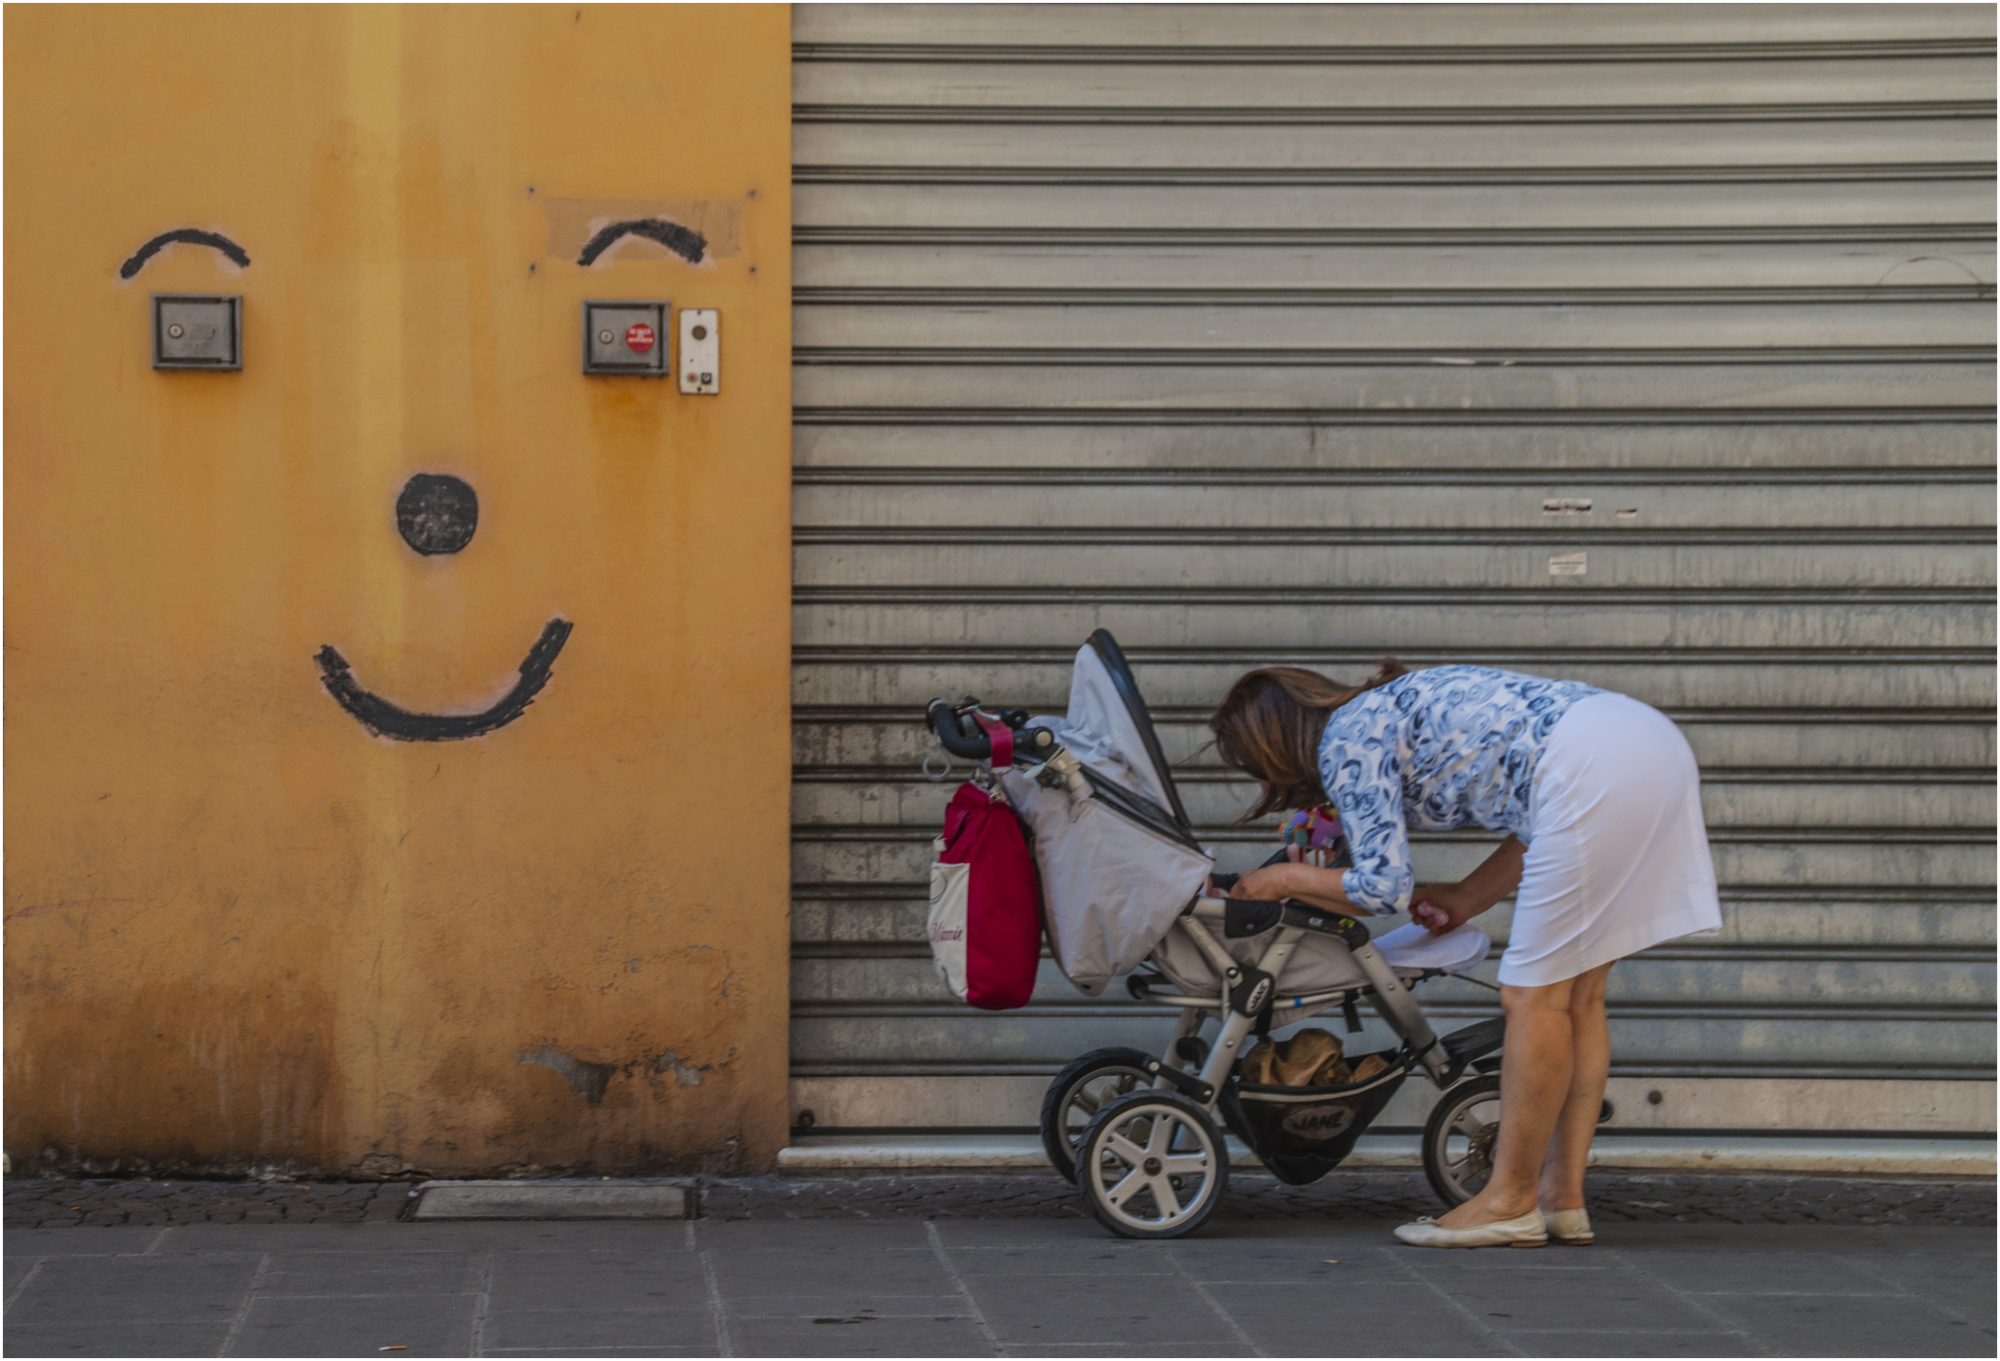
x: 342, y: 836
x: 197, y: 332
x: 628, y: 338
x: 701, y: 351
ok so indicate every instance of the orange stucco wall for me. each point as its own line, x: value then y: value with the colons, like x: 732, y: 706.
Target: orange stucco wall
x: 240, y: 929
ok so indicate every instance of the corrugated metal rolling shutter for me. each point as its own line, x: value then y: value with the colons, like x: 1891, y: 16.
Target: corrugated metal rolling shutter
x: 1307, y: 334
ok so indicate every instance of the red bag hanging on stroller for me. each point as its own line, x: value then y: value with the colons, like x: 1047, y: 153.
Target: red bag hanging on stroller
x: 986, y: 903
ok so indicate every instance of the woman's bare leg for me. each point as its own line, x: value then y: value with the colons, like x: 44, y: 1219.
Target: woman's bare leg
x: 1536, y: 1073
x: 1590, y: 1065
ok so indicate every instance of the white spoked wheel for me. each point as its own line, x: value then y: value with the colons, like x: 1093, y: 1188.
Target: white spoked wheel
x: 1152, y: 1165
x: 1079, y: 1092
x: 1459, y: 1139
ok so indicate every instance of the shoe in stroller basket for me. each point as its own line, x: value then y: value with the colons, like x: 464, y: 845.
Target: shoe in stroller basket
x: 1123, y: 880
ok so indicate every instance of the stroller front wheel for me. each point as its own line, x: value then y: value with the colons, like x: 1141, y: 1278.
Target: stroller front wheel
x: 1152, y: 1165
x: 1080, y: 1091
x: 1459, y: 1139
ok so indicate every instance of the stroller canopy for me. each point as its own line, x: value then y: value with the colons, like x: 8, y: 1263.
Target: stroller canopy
x: 1109, y: 729
x: 1119, y: 863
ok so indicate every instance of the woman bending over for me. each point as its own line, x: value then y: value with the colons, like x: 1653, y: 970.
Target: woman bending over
x: 1606, y: 854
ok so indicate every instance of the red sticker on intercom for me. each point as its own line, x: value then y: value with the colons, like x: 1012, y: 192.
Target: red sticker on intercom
x: 639, y: 336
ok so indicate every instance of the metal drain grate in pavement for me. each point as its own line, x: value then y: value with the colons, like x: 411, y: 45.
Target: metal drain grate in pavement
x: 553, y: 1200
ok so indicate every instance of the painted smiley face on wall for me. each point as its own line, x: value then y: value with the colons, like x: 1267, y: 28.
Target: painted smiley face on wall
x: 436, y: 514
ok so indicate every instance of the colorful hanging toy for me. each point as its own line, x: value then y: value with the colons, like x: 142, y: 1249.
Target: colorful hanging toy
x: 1318, y: 831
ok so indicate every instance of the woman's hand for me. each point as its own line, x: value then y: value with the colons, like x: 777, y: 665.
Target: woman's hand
x: 1267, y: 884
x: 1307, y: 883
x: 1293, y: 854
x: 1446, y: 907
x: 1443, y: 908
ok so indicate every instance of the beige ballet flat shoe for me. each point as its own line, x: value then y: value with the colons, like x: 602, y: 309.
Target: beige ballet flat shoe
x: 1570, y: 1226
x: 1526, y: 1231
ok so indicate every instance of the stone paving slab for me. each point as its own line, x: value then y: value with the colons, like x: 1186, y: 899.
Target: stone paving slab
x: 1376, y: 1196
x: 1003, y: 1287
x: 525, y: 1199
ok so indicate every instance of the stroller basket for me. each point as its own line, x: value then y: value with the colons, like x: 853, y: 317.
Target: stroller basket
x: 1303, y: 1133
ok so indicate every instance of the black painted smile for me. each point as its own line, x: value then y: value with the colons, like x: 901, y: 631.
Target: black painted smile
x: 384, y: 719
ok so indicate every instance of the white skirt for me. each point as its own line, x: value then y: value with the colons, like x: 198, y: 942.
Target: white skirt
x: 1618, y: 859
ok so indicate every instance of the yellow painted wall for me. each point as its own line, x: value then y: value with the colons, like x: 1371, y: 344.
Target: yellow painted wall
x: 239, y: 927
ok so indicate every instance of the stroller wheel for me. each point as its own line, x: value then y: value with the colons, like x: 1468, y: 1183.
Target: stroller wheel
x: 1152, y: 1165
x: 1459, y: 1137
x: 1079, y: 1092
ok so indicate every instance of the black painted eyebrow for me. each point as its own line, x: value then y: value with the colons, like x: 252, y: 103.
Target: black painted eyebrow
x: 685, y: 242
x: 189, y: 235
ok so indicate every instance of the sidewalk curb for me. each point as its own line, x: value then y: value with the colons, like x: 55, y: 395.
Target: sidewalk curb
x: 915, y: 1154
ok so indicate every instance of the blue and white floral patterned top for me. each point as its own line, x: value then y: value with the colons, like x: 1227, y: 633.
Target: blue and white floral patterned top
x: 1454, y: 746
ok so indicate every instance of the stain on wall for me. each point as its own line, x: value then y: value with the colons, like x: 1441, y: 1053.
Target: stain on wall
x: 242, y: 930
x: 588, y: 1080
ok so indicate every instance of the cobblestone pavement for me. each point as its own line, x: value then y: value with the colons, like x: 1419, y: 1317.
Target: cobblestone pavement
x: 105, y: 1202
x: 1359, y: 1196
x: 1378, y: 1196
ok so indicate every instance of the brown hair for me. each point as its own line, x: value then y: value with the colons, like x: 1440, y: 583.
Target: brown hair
x: 1270, y: 724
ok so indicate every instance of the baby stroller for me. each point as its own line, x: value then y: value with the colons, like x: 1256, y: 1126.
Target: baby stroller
x: 1123, y: 881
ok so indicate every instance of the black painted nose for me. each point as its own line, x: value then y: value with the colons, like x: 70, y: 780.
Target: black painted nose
x: 437, y: 513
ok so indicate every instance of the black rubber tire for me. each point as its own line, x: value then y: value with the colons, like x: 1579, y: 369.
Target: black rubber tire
x: 1097, y: 1063
x: 1210, y: 1147
x: 1446, y: 1179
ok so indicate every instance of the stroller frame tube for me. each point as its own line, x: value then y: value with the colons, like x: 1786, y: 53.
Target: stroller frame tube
x: 1388, y: 995
x: 1236, y: 1025
x: 1393, y: 1002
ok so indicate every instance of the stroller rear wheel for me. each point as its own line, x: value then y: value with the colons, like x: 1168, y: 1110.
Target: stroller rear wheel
x: 1459, y: 1138
x: 1079, y: 1092
x: 1152, y: 1165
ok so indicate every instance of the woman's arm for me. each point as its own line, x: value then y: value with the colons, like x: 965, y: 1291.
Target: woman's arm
x: 1307, y: 883
x: 1446, y: 907
x: 1364, y: 780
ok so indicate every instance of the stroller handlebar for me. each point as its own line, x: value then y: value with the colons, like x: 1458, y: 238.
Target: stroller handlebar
x: 961, y: 735
x: 950, y: 728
